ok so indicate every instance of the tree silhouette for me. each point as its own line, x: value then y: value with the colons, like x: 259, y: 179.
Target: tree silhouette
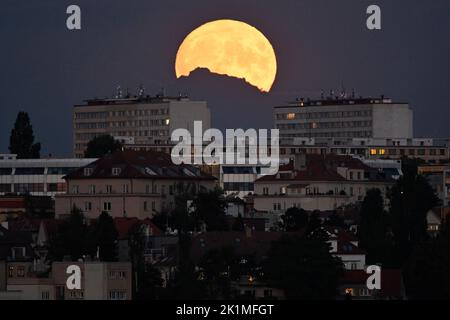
x: 373, y: 227
x: 105, y: 235
x: 294, y: 219
x: 303, y: 267
x: 21, y: 141
x: 101, y: 145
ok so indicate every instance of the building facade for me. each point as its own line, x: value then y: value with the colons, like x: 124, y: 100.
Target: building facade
x: 143, y: 119
x: 37, y: 177
x: 130, y: 184
x: 344, y: 118
x: 316, y: 182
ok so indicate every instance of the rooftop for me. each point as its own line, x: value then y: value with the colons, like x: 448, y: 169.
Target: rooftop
x: 129, y: 164
x: 320, y: 168
x: 136, y: 99
x: 341, y: 101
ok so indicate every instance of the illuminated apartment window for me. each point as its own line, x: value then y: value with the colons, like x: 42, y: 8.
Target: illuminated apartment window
x: 373, y: 152
x: 349, y: 291
x: 290, y: 116
x: 382, y: 152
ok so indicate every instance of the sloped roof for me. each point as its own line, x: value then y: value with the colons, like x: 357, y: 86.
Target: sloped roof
x: 319, y: 168
x: 125, y: 225
x: 139, y: 164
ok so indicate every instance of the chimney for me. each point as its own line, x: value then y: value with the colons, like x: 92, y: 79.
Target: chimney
x: 299, y: 162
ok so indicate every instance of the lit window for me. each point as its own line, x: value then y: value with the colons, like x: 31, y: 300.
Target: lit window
x: 290, y: 116
x: 373, y: 152
x: 167, y: 122
x: 349, y: 291
x: 382, y: 152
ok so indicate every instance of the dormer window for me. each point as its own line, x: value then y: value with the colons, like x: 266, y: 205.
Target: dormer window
x: 116, y: 171
x: 88, y: 172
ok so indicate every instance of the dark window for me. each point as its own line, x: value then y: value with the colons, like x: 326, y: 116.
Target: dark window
x: 60, y: 171
x: 5, y: 187
x: 5, y: 171
x: 29, y: 171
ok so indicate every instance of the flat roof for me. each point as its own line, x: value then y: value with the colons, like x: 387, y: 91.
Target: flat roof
x: 131, y: 100
x: 338, y: 102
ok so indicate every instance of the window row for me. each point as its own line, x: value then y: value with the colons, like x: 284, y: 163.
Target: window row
x: 321, y: 115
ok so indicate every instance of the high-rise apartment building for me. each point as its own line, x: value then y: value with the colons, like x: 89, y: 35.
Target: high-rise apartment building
x: 140, y: 120
x: 344, y: 118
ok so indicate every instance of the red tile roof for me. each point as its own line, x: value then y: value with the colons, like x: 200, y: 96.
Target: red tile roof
x: 125, y: 225
x: 139, y: 164
x: 318, y: 168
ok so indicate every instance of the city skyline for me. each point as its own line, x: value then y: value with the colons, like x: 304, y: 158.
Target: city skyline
x: 406, y: 60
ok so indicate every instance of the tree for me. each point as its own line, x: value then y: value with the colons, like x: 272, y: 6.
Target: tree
x: 101, y: 145
x: 21, y: 141
x: 410, y: 200
x: 427, y: 275
x: 150, y: 284
x: 209, y: 208
x: 72, y: 237
x: 303, y: 267
x: 105, y: 235
x: 373, y: 227
x: 238, y: 224
x: 147, y: 280
x: 220, y: 266
x: 294, y: 219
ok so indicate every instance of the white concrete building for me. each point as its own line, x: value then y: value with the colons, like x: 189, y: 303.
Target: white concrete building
x: 39, y: 177
x: 136, y: 120
x: 344, y: 118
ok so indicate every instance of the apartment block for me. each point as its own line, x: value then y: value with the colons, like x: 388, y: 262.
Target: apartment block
x: 140, y: 119
x: 344, y: 118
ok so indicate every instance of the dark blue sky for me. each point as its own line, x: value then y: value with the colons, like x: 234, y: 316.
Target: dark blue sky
x: 45, y: 68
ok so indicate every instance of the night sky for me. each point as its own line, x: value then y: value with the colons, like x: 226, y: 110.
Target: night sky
x: 320, y: 44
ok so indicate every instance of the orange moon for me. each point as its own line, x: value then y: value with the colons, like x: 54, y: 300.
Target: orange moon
x: 229, y: 47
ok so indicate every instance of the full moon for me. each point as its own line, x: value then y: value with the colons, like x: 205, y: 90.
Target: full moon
x: 229, y: 47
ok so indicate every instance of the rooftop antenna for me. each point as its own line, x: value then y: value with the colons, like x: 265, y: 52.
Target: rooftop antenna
x: 118, y: 92
x: 343, y: 92
x: 141, y: 91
